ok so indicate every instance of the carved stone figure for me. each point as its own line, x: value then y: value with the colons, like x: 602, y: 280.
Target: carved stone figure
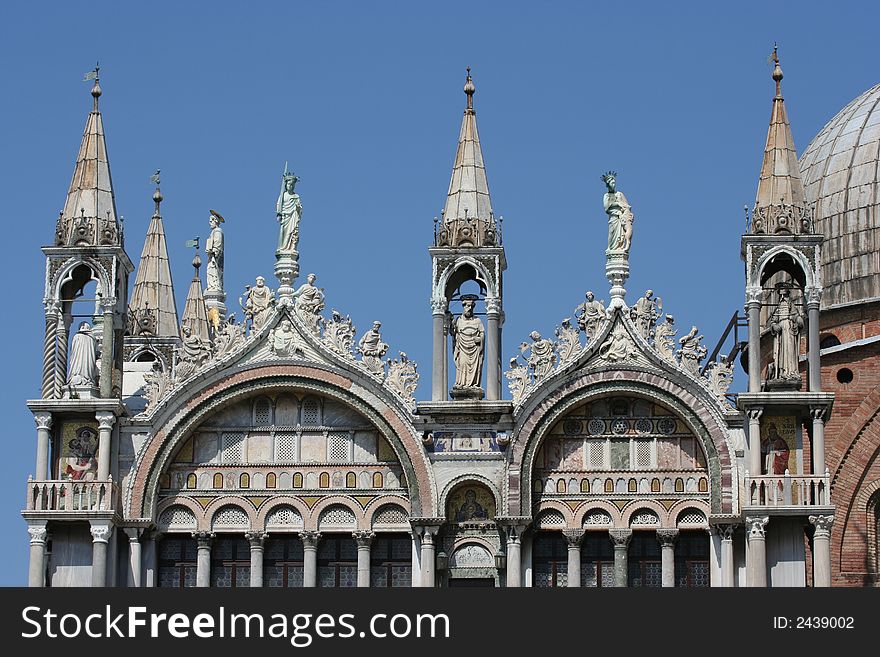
x: 590, y: 316
x: 256, y: 303
x: 83, y: 361
x: 214, y: 251
x: 191, y: 355
x: 402, y: 377
x: 620, y: 217
x: 786, y: 324
x: 372, y: 349
x: 283, y: 340
x: 645, y: 313
x: 568, y: 343
x: 288, y: 210
x: 618, y: 346
x: 468, y: 338
x: 229, y: 337
x: 720, y: 374
x: 310, y: 302
x: 517, y: 379
x: 542, y: 357
x: 156, y: 384
x: 664, y: 338
x: 339, y: 333
x: 692, y: 351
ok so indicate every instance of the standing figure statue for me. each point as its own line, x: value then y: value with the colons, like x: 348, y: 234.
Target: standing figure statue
x: 468, y: 338
x: 620, y: 217
x: 645, y: 312
x: 256, y: 303
x: 692, y: 351
x: 590, y: 315
x: 83, y: 362
x: 288, y: 210
x: 310, y: 302
x: 542, y: 357
x: 786, y: 323
x: 372, y: 349
x: 214, y: 251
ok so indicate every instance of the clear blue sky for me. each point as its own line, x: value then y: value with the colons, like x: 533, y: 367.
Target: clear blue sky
x: 365, y: 101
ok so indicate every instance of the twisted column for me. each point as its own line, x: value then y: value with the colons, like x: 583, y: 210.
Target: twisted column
x: 47, y: 389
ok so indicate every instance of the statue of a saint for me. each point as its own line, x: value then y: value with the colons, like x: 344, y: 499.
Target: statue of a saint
x: 310, y: 302
x: 620, y: 217
x: 468, y: 337
x: 786, y: 323
x: 692, y: 351
x: 372, y: 349
x: 618, y: 347
x: 214, y: 251
x: 288, y: 210
x: 83, y: 362
x: 645, y: 312
x: 590, y: 315
x: 282, y: 340
x: 256, y: 303
x: 191, y: 355
x: 542, y: 357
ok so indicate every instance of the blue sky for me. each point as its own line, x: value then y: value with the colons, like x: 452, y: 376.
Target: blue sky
x: 365, y: 101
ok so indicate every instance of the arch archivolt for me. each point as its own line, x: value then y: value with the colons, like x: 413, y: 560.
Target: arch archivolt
x: 633, y: 507
x: 474, y: 479
x: 483, y: 276
x: 580, y: 514
x: 799, y: 258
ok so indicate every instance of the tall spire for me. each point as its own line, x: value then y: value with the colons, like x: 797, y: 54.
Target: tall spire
x: 468, y: 197
x: 780, y: 205
x: 195, y: 315
x: 153, y: 308
x: 89, y: 215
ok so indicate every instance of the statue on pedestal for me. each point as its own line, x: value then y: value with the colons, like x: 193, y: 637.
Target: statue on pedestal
x: 256, y: 303
x: 288, y: 210
x: 83, y: 362
x: 786, y: 324
x: 645, y: 313
x: 692, y: 351
x: 283, y: 340
x: 620, y: 217
x: 542, y: 356
x: 372, y: 349
x: 310, y: 302
x: 214, y: 251
x: 590, y: 315
x: 468, y: 338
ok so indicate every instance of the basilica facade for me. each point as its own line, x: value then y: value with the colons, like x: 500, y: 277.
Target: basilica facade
x: 287, y: 450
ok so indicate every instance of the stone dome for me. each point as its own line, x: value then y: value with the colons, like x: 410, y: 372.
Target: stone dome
x: 840, y: 173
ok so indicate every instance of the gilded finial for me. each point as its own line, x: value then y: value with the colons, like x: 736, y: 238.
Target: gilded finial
x: 469, y: 89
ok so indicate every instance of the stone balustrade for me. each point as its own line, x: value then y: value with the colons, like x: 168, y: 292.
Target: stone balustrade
x: 787, y: 490
x: 599, y: 483
x: 72, y: 496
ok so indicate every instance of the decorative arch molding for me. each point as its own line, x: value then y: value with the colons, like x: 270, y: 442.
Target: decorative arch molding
x: 635, y: 506
x: 313, y: 520
x: 589, y: 506
x: 810, y: 270
x: 483, y: 275
x: 64, y: 274
x: 464, y: 541
x: 377, y: 503
x: 188, y: 503
x: 681, y: 505
x: 701, y: 418
x: 465, y: 479
x: 278, y: 502
x: 556, y: 505
x: 177, y: 423
x: 219, y: 503
x: 140, y: 350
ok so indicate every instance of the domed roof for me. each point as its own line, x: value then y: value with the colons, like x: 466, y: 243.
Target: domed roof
x: 840, y: 175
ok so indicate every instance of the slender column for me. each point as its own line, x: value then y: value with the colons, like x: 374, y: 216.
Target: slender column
x: 725, y: 532
x: 620, y: 539
x: 493, y: 340
x: 203, y: 562
x: 514, y: 556
x: 438, y: 366
x: 753, y: 307
x: 754, y: 459
x: 364, y: 539
x: 134, y: 556
x: 814, y: 371
x: 50, y: 344
x: 100, y: 536
x: 822, y: 550
x: 256, y: 541
x: 37, y: 567
x: 44, y: 425
x: 61, y: 356
x: 756, y: 555
x: 106, y: 382
x: 818, y: 443
x: 667, y: 538
x: 150, y: 558
x: 310, y: 558
x: 105, y: 429
x: 428, y: 557
x: 574, y: 538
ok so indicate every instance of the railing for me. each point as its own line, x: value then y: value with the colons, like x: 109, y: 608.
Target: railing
x: 603, y: 482
x: 71, y: 495
x: 788, y: 490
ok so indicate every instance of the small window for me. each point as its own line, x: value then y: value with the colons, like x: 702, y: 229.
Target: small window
x: 244, y: 481
x: 218, y: 480
x: 298, y: 480
x: 844, y: 375
x: 271, y: 480
x: 325, y: 480
x: 378, y: 480
x: 585, y: 485
x: 829, y: 340
x: 191, y: 480
x: 351, y: 480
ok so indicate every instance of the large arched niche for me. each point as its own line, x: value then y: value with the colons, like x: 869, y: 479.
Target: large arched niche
x: 693, y: 421
x: 169, y: 458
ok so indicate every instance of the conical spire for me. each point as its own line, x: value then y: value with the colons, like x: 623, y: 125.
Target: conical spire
x: 468, y: 196
x: 195, y: 315
x: 780, y: 205
x: 89, y: 215
x: 152, y: 301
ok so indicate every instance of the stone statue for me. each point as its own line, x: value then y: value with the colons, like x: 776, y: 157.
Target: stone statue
x: 542, y: 357
x: 468, y: 338
x: 288, y: 209
x: 618, y: 346
x: 692, y: 351
x: 283, y: 339
x: 664, y: 338
x: 156, y: 384
x: 786, y: 324
x: 720, y: 375
x: 256, y: 303
x: 517, y: 379
x: 403, y: 377
x: 214, y: 251
x: 568, y: 342
x: 83, y: 362
x: 620, y: 217
x: 228, y: 338
x: 310, y: 302
x: 339, y: 333
x: 590, y: 316
x: 372, y: 349
x: 645, y: 312
x: 191, y: 355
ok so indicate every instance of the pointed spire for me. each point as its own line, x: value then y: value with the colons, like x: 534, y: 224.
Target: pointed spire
x: 195, y: 315
x: 780, y: 205
x: 89, y: 215
x: 468, y: 196
x: 153, y: 287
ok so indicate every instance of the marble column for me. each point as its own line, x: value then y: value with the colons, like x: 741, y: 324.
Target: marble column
x: 203, y: 559
x: 667, y: 538
x: 50, y: 348
x: 493, y: 341
x: 620, y: 539
x: 310, y: 541
x: 151, y: 560
x: 818, y: 441
x: 574, y: 537
x: 256, y: 539
x: 438, y: 365
x: 429, y: 565
x: 134, y: 556
x: 754, y: 460
x: 814, y: 372
x: 107, y: 350
x: 725, y: 532
x: 37, y: 566
x: 100, y: 536
x: 756, y: 554
x: 105, y: 431
x: 514, y: 556
x: 822, y: 550
x: 44, y: 427
x: 753, y: 308
x: 363, y: 539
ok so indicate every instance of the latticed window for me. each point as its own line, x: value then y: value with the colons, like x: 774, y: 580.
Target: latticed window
x: 692, y: 559
x: 597, y: 517
x: 549, y: 560
x: 230, y: 562
x: 391, y: 561
x: 644, y: 517
x: 336, y: 516
x: 311, y: 412
x: 177, y: 517
x: 283, y: 561
x: 644, y: 560
x: 692, y: 517
x: 283, y: 517
x: 551, y: 518
x: 337, y: 562
x: 338, y: 446
x: 391, y: 515
x: 230, y: 517
x: 597, y: 560
x: 643, y: 454
x: 233, y: 444
x: 285, y: 447
x: 177, y: 562
x: 596, y: 454
x: 262, y: 412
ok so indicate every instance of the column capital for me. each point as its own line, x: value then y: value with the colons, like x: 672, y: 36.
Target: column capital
x: 100, y: 532
x: 513, y: 526
x: 256, y: 539
x: 107, y: 304
x: 755, y: 413
x: 105, y: 419
x: 310, y: 538
x: 822, y: 525
x: 439, y: 306
x: 667, y: 537
x: 819, y: 412
x: 724, y: 529
x: 756, y: 525
x: 134, y: 533
x: 753, y: 296
x: 363, y: 537
x: 43, y: 420
x: 493, y: 306
x: 52, y: 307
x: 427, y: 528
x: 203, y: 539
x: 620, y: 537
x: 813, y: 297
x: 37, y: 531
x: 573, y: 536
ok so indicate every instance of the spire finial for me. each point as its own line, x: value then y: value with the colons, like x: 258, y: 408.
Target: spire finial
x: 777, y: 70
x: 157, y: 195
x: 469, y: 89
x: 197, y: 261
x: 96, y: 88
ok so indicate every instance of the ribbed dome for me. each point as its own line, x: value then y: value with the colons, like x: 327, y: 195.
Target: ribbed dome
x: 840, y: 174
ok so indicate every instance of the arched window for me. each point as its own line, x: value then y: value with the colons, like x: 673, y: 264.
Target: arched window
x: 191, y: 480
x: 377, y: 480
x: 325, y: 480
x: 351, y: 480
x: 828, y: 340
x: 297, y: 480
x: 271, y: 480
x: 244, y: 481
x: 218, y: 480
x: 262, y: 412
x: 311, y: 412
